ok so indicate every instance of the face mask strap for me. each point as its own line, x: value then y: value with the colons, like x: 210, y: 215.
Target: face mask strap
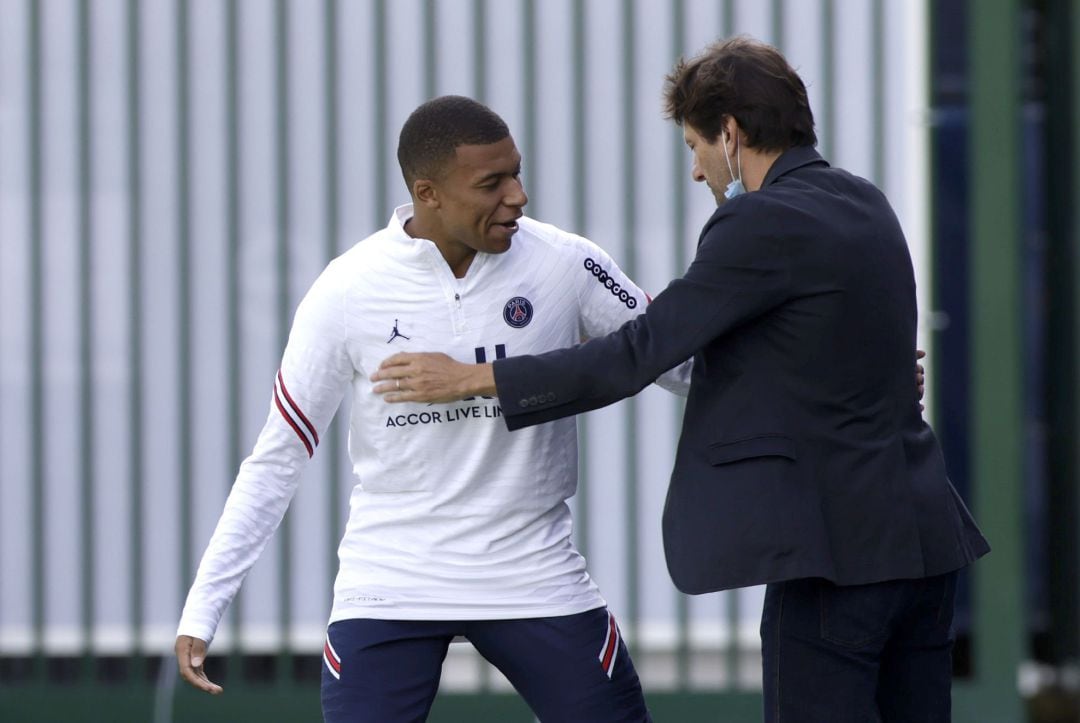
x: 727, y: 158
x: 738, y: 156
x: 735, y: 188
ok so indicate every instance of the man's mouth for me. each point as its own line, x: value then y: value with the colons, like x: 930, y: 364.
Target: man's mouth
x: 508, y: 225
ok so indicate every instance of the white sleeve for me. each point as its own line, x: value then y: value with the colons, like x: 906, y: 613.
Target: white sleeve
x: 316, y: 370
x: 609, y: 299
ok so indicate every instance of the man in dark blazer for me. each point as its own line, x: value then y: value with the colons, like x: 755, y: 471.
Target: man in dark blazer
x: 804, y: 461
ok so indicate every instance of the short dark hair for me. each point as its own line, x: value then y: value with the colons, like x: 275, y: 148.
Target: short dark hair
x: 749, y: 81
x: 435, y: 129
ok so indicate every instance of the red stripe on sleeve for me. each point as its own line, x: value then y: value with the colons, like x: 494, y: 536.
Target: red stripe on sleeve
x: 299, y: 432
x: 296, y: 408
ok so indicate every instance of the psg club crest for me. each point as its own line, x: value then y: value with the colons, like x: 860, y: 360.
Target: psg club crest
x: 518, y: 312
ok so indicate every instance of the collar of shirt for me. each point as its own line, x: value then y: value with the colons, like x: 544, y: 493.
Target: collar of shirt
x: 791, y: 159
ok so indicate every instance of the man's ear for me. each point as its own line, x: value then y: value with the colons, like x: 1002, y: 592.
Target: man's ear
x: 731, y: 128
x: 425, y: 192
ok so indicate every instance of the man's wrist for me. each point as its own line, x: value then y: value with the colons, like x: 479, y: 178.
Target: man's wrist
x: 480, y: 381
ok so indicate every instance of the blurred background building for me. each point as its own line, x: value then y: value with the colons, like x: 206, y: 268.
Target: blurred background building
x: 175, y: 173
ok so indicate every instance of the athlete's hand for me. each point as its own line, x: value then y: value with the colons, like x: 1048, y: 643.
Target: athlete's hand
x: 431, y: 377
x: 190, y: 654
x: 920, y: 376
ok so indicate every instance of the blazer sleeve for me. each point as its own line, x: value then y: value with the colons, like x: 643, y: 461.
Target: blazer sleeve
x: 736, y: 276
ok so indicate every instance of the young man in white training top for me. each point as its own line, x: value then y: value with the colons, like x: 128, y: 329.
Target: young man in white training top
x: 456, y: 527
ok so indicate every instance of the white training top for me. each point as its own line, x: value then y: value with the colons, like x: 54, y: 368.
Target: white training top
x: 453, y: 517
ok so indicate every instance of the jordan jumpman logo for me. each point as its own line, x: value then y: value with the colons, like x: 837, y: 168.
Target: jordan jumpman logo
x: 395, y: 334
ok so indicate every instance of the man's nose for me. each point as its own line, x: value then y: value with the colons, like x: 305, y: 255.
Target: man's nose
x: 695, y: 172
x: 517, y: 197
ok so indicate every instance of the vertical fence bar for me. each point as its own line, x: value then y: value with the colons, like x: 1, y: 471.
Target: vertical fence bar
x: 877, y: 117
x: 580, y: 215
x: 679, y: 169
x: 333, y: 225
x: 732, y: 658
x: 778, y: 23
x: 629, y: 128
x: 1060, y: 388
x: 135, y: 359
x: 232, y: 279
x: 997, y: 409
x: 828, y: 78
x: 86, y: 377
x: 480, y: 49
x: 183, y: 272
x: 728, y: 17
x: 37, y: 347
x: 429, y: 49
x: 379, y: 66
x: 281, y: 180
x: 528, y: 47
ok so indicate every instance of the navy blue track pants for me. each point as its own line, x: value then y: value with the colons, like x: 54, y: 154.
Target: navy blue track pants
x: 567, y: 668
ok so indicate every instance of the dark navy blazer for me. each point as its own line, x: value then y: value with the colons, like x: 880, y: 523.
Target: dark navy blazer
x: 803, y: 451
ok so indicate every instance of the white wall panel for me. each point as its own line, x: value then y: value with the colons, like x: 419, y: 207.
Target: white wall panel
x: 16, y: 476
x: 110, y: 330
x: 60, y: 365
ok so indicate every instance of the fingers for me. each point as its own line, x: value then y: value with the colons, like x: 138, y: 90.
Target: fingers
x: 920, y: 354
x: 402, y: 358
x: 430, y: 377
x: 393, y: 388
x: 391, y: 392
x: 394, y: 369
x: 402, y: 377
x: 190, y: 656
x: 387, y: 389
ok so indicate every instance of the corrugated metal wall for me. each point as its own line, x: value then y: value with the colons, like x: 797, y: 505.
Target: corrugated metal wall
x: 173, y: 175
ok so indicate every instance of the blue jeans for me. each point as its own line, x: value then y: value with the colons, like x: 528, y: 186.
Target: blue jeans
x: 571, y: 668
x: 858, y: 653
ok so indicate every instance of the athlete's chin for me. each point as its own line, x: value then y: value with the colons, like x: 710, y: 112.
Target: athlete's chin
x: 501, y: 238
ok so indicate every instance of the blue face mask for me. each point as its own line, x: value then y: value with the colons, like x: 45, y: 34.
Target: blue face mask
x: 736, y: 187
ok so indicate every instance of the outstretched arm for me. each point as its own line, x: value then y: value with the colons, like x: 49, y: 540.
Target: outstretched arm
x: 727, y: 284
x: 314, y: 375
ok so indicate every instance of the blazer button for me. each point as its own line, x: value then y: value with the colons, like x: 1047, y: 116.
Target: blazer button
x: 523, y: 403
x: 532, y: 401
x: 551, y: 397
